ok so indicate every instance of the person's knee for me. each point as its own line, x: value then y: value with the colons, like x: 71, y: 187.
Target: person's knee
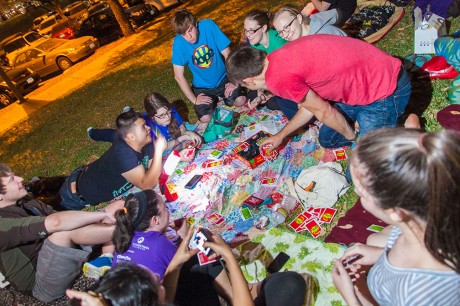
x: 240, y: 101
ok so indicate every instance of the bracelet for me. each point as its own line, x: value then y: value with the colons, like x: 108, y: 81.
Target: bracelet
x: 356, y: 136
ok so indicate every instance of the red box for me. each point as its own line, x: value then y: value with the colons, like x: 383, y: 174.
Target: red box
x: 249, y: 151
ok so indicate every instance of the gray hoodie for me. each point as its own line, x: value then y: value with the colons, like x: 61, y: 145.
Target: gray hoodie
x: 323, y: 23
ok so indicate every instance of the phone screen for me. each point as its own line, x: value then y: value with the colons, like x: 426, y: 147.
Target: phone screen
x: 278, y: 263
x: 194, y: 181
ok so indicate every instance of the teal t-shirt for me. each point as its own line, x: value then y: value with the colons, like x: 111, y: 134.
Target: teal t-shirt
x: 274, y: 42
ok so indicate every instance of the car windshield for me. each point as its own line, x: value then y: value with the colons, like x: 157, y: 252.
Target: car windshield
x: 47, y: 23
x: 32, y: 36
x: 50, y: 44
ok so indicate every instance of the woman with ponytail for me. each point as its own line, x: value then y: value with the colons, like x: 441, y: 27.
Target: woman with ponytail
x: 408, y: 179
x: 138, y: 236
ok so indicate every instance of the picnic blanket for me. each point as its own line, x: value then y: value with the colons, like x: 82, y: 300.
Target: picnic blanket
x: 307, y: 255
x: 227, y: 184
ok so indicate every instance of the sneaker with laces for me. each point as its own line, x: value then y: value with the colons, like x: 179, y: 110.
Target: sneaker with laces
x: 97, y: 267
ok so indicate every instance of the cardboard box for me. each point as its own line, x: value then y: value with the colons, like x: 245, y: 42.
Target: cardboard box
x: 249, y: 153
x: 427, y: 29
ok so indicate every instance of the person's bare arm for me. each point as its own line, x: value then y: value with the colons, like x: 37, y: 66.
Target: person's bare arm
x: 72, y: 219
x: 171, y: 275
x: 321, y: 5
x: 225, y: 52
x: 313, y: 105
x: 327, y: 114
x: 143, y: 179
x: 241, y: 294
x: 183, y: 83
x: 186, y: 89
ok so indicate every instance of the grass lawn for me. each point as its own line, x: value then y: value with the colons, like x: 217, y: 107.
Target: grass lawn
x: 53, y: 140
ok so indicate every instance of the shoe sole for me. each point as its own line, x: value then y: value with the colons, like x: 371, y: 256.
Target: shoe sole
x: 91, y: 271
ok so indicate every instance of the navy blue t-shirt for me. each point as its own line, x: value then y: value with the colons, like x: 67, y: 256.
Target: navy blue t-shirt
x: 102, y: 180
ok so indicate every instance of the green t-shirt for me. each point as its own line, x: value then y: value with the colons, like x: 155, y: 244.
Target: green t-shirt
x: 274, y: 42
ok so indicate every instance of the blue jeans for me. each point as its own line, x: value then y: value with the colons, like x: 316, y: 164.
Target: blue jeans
x: 70, y: 200
x: 288, y: 107
x: 382, y: 113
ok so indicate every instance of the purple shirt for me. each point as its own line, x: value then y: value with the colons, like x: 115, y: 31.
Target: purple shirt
x: 150, y: 249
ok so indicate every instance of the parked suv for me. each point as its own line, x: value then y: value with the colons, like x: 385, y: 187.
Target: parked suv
x: 45, y: 27
x: 77, y: 10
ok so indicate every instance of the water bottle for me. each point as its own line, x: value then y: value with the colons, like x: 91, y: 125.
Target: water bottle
x: 286, y: 205
x: 279, y: 216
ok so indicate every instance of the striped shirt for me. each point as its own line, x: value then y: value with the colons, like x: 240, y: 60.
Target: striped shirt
x: 391, y: 285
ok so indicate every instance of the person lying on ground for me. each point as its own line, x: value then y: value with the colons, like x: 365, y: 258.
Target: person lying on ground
x: 132, y: 160
x: 162, y: 118
x: 42, y: 250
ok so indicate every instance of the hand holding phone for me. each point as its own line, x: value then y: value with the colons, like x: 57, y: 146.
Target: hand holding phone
x: 199, y: 237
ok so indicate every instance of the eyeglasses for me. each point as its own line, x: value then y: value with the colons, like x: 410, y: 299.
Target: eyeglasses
x: 162, y: 116
x: 250, y: 32
x: 286, y: 28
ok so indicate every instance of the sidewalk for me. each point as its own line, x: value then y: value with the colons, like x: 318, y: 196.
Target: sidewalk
x: 74, y: 78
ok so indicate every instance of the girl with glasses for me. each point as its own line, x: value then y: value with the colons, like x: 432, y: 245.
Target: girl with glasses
x: 162, y: 118
x: 259, y: 35
x: 290, y: 24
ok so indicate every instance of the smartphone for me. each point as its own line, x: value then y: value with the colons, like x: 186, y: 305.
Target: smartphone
x: 200, y: 236
x: 351, y: 259
x: 194, y: 181
x: 278, y: 263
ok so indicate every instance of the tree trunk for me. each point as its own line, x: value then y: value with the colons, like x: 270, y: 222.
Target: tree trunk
x: 121, y: 17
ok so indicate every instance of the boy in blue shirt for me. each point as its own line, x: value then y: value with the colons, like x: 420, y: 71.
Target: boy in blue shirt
x: 202, y: 47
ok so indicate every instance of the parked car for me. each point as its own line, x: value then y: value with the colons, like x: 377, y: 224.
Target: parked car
x: 77, y: 10
x: 45, y: 27
x: 161, y: 5
x: 140, y: 14
x: 54, y: 54
x: 18, y: 41
x: 24, y: 79
x: 36, y: 22
x: 102, y: 25
x: 65, y: 29
x: 97, y: 7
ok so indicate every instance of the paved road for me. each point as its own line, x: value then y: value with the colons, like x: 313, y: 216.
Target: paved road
x: 75, y: 77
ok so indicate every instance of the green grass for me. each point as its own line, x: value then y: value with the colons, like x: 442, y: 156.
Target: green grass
x: 53, y: 140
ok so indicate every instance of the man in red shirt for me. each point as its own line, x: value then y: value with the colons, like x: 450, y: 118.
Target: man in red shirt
x: 340, y: 80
